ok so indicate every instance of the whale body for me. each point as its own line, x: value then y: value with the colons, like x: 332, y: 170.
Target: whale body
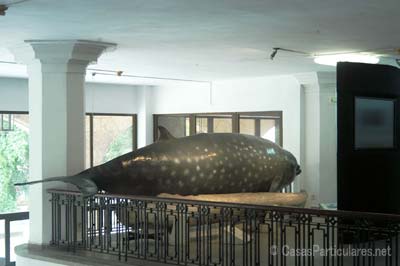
x: 207, y: 163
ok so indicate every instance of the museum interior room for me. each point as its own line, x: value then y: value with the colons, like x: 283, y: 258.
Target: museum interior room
x: 199, y: 132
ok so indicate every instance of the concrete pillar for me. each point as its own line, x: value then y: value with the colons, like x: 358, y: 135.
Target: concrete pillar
x: 318, y: 133
x: 145, y: 116
x: 56, y: 72
x: 328, y: 137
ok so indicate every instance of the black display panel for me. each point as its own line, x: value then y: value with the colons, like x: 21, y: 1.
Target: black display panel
x: 368, y: 154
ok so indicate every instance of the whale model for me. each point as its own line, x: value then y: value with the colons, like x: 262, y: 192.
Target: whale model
x: 208, y: 163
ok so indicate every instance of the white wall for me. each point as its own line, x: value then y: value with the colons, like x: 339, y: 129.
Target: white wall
x: 13, y: 94
x: 257, y: 94
x: 111, y: 98
x: 100, y: 98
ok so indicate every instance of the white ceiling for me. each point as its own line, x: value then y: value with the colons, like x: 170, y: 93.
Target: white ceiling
x: 208, y: 39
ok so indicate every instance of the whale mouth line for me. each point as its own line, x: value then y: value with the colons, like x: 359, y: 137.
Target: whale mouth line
x: 298, y: 170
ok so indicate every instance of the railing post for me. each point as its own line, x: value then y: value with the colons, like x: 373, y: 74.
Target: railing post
x: 7, y: 241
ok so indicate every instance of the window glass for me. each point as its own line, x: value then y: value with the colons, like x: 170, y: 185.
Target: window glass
x: 187, y: 126
x: 268, y: 130
x: 14, y: 162
x: 177, y: 125
x: 222, y: 125
x: 201, y: 124
x: 112, y: 137
x: 248, y: 126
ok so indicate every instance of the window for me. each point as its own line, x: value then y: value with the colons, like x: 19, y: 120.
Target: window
x: 14, y: 160
x: 214, y: 123
x: 267, y: 125
x: 178, y: 125
x: 109, y: 136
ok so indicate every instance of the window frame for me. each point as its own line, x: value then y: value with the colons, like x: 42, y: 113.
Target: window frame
x: 235, y: 116
x: 91, y: 136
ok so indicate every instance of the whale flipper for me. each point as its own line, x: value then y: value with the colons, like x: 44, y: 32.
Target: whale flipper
x: 85, y: 185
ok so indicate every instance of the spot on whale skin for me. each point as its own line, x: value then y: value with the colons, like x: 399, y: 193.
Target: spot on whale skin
x: 163, y: 168
x: 180, y: 183
x: 188, y: 160
x: 177, y: 161
x: 186, y: 172
x: 193, y: 179
x: 197, y: 168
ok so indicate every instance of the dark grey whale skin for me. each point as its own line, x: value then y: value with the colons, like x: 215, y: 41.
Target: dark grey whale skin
x: 211, y: 163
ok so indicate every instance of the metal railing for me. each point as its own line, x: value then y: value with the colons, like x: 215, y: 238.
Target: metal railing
x: 8, y: 218
x: 186, y: 232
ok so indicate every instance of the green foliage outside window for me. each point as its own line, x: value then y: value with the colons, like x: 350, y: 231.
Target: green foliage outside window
x: 121, y: 145
x: 14, y: 166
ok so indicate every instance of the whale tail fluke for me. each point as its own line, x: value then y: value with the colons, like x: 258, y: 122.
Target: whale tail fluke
x: 85, y: 185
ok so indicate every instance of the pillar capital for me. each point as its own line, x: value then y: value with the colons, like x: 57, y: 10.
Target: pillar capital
x: 61, y: 55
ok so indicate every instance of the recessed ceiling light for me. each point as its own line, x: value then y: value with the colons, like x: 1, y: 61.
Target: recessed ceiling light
x: 332, y: 60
